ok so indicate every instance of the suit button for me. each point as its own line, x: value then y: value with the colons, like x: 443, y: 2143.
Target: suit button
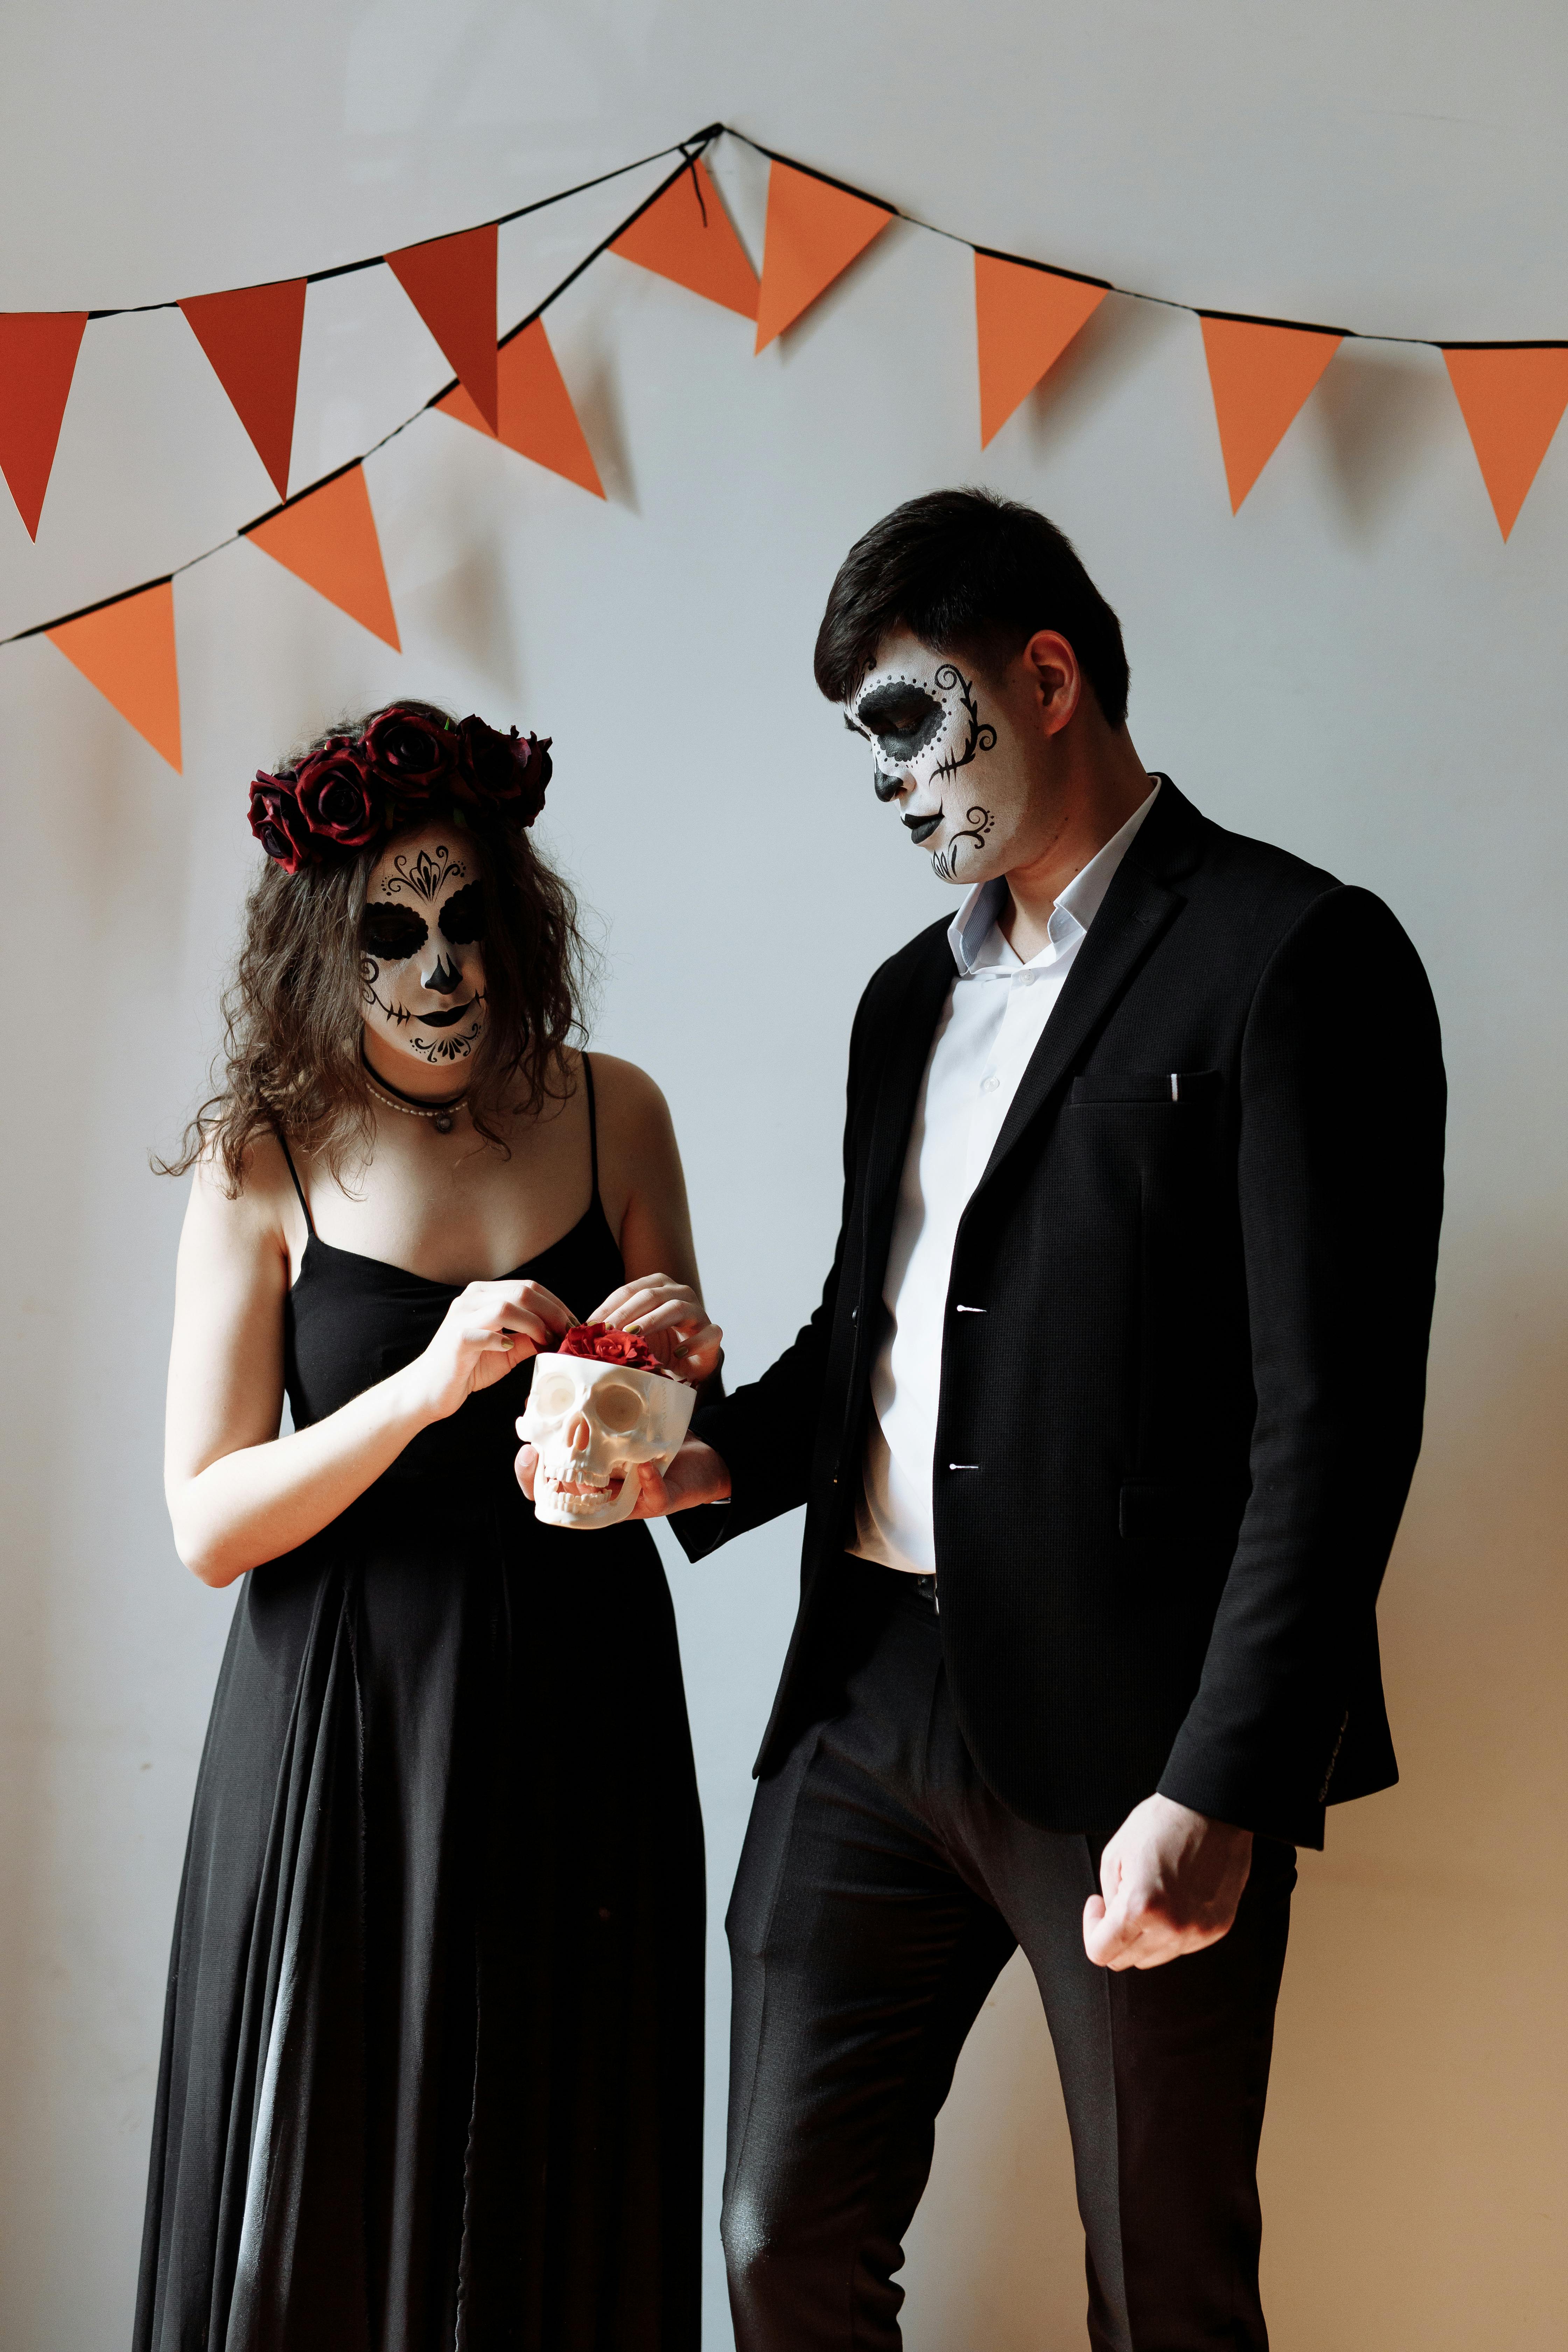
x: 853, y: 1314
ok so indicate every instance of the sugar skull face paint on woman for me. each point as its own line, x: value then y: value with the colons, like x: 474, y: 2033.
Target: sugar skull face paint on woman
x: 421, y: 947
x: 950, y: 751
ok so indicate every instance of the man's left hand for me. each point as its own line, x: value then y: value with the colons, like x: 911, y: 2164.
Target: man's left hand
x: 1170, y: 1881
x: 696, y: 1475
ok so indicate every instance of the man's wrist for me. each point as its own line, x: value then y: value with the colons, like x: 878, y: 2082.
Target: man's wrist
x: 713, y: 1480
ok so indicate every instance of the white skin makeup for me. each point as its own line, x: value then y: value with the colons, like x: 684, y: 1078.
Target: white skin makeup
x: 951, y: 753
x: 422, y: 959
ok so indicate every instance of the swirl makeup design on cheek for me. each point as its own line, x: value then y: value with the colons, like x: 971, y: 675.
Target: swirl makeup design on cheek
x: 368, y: 973
x: 979, y: 735
x: 944, y: 862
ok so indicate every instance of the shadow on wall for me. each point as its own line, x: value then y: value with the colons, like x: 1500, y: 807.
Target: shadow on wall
x: 599, y: 398
x: 1415, y: 2116
x: 468, y: 611
x: 1379, y: 413
x: 1120, y: 339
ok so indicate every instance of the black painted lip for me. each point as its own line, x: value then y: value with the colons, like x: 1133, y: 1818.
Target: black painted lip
x: 443, y: 1020
x: 922, y: 827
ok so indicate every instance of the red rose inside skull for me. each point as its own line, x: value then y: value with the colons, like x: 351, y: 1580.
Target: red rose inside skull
x: 608, y: 1345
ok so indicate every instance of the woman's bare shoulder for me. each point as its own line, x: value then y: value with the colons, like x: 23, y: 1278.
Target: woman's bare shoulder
x: 628, y: 1101
x: 260, y: 1206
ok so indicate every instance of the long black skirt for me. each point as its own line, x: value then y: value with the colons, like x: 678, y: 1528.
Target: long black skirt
x: 432, y: 2066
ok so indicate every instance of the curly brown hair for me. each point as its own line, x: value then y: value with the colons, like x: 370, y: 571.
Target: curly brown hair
x: 293, y: 1004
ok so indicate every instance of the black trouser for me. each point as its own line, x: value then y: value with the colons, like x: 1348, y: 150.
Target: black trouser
x: 880, y: 1891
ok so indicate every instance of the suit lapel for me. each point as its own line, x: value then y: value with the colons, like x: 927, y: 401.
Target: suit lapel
x: 1138, y: 906
x: 904, y: 1049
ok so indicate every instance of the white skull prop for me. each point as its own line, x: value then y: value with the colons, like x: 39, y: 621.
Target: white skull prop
x: 592, y: 1424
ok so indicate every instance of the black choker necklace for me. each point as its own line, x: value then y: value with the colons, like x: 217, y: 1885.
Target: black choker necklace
x: 443, y: 1113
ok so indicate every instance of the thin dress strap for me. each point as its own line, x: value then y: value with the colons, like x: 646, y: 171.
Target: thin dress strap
x: 294, y: 1172
x: 592, y: 1124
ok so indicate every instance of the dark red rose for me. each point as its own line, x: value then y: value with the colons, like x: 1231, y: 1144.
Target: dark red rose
x: 508, y: 770
x: 541, y: 767
x: 606, y: 1345
x: 278, y: 824
x: 336, y: 797
x: 410, y: 752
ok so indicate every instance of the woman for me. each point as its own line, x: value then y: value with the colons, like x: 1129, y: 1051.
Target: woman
x: 431, y: 2054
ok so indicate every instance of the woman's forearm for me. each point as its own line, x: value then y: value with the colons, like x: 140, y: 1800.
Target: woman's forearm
x: 260, y: 1501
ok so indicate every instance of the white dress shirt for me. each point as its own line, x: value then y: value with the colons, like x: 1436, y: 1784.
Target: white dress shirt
x: 994, y: 1019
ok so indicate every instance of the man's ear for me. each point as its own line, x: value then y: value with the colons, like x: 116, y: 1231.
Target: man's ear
x: 1055, y: 676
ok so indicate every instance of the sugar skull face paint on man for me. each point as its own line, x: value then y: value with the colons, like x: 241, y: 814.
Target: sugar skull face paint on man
x: 422, y: 962
x: 950, y: 752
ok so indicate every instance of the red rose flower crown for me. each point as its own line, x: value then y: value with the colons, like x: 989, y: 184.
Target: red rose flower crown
x: 355, y: 789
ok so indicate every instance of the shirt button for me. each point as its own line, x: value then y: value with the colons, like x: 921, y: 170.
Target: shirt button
x: 989, y: 1085
x: 1026, y: 979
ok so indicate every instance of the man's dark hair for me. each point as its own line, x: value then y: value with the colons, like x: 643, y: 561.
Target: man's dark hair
x: 967, y: 568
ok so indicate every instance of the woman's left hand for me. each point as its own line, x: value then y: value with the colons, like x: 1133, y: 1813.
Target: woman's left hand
x: 671, y: 1318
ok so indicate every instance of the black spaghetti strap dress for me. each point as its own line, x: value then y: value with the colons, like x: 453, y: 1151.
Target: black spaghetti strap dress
x: 432, y: 2065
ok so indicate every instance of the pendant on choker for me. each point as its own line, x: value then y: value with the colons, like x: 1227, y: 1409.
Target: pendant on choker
x: 443, y: 1117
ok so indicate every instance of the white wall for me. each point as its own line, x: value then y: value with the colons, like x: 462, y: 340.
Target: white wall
x: 1355, y: 666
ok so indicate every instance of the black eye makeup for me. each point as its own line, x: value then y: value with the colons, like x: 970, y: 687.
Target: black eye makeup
x: 902, y: 717
x: 392, y: 933
x: 462, y: 918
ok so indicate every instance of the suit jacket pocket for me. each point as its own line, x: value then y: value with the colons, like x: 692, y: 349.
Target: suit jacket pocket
x: 1145, y: 1087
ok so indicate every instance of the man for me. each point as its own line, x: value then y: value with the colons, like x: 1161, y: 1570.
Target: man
x: 1105, y: 1424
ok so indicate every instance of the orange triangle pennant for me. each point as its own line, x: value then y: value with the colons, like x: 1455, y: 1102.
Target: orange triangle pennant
x: 1025, y: 318
x: 537, y: 418
x: 1259, y: 375
x: 1512, y: 402
x: 451, y: 282
x: 687, y: 234
x: 38, y: 360
x: 127, y: 650
x: 327, y: 538
x: 813, y: 232
x: 252, y: 338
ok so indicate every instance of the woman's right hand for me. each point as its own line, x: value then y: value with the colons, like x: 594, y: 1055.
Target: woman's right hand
x: 487, y: 1328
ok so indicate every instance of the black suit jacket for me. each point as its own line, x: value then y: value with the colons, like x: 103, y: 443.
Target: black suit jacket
x: 1204, y: 1247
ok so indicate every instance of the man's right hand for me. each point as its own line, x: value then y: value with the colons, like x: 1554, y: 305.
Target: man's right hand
x: 696, y: 1475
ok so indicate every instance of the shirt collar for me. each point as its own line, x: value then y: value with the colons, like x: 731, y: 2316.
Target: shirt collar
x: 974, y: 934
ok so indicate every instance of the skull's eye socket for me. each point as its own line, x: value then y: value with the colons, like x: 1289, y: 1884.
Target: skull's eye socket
x: 618, y: 1407
x: 392, y: 933
x: 463, y: 915
x: 554, y: 1393
x: 900, y: 717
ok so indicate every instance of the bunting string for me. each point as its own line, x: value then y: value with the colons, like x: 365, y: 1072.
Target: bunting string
x: 501, y: 220
x: 1511, y: 395
x: 687, y: 149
